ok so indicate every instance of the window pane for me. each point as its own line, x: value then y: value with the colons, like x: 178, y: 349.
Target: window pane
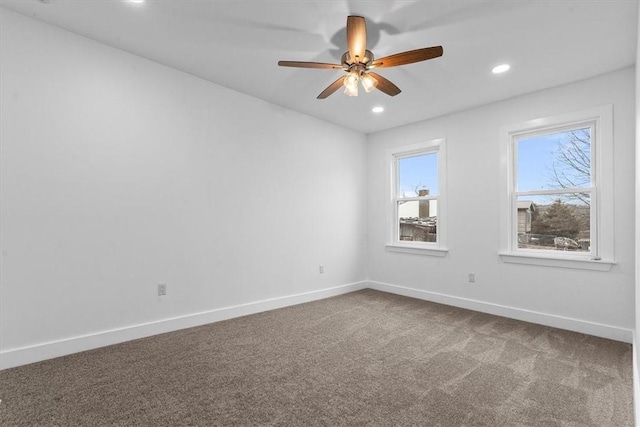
x: 418, y: 220
x: 559, y: 160
x: 417, y: 174
x: 559, y: 222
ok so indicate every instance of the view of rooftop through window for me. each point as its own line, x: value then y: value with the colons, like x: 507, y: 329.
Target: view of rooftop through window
x: 553, y: 196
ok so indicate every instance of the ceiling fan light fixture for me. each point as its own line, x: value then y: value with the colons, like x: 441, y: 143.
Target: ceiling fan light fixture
x: 351, y: 90
x: 351, y: 80
x: 369, y: 83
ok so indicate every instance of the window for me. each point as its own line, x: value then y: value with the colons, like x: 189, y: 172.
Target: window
x: 417, y: 198
x: 559, y: 205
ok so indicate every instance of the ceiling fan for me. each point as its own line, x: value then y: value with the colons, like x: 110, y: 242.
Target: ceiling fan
x: 358, y: 62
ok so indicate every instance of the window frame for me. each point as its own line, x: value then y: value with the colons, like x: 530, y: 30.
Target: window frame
x: 601, y: 256
x: 394, y: 244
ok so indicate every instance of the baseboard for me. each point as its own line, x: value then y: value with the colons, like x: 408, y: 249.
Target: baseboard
x: 590, y: 328
x: 636, y: 383
x: 49, y: 350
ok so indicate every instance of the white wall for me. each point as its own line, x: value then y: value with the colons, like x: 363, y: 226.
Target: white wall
x: 595, y: 302
x: 636, y: 337
x: 119, y: 174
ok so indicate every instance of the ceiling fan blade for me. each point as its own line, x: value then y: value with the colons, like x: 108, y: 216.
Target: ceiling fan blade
x: 408, y: 57
x: 356, y: 38
x: 332, y: 88
x: 385, y: 85
x: 303, y: 64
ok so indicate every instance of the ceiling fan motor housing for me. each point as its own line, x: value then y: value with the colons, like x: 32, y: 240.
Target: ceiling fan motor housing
x: 347, y: 61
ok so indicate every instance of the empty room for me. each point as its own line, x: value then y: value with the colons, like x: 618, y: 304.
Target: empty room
x: 319, y: 212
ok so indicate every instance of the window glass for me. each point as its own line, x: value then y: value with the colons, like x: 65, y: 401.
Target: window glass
x: 417, y: 174
x: 558, y: 222
x: 417, y: 220
x: 548, y: 218
x: 559, y: 160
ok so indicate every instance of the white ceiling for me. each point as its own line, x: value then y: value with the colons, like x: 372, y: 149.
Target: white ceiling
x: 237, y: 44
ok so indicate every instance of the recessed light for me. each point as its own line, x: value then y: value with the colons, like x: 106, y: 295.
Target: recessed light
x: 136, y: 1
x: 500, y: 68
x: 377, y: 109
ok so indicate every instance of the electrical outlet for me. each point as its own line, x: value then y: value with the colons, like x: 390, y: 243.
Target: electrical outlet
x: 321, y: 269
x: 162, y: 289
x: 472, y: 277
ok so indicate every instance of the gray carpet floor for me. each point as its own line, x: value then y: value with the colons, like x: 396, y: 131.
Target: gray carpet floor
x: 364, y: 358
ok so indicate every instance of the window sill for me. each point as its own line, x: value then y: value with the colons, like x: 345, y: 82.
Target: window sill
x: 418, y: 250
x: 555, y: 261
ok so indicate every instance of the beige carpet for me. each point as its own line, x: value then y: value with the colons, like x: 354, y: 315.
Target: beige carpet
x: 365, y: 358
